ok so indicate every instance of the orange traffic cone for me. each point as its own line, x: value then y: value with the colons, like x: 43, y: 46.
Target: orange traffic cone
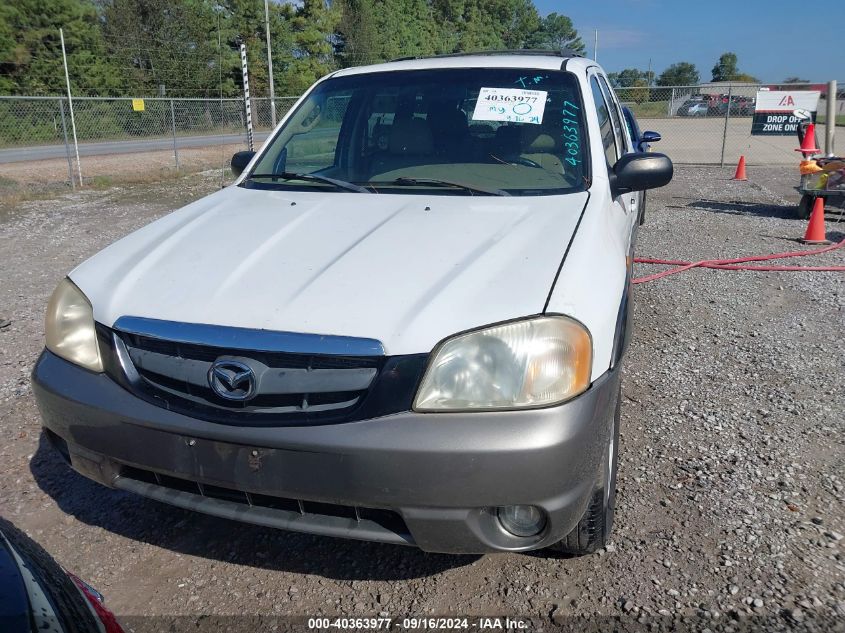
x: 815, y: 229
x: 740, y: 170
x: 808, y: 145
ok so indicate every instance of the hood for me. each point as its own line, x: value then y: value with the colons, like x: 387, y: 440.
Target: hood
x: 407, y: 270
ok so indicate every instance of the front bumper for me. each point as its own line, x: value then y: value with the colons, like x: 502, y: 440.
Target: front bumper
x: 444, y: 474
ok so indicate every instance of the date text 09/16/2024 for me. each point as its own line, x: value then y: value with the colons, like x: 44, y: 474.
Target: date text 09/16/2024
x: 418, y: 623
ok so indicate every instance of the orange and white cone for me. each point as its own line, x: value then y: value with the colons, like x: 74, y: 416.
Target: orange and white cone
x: 808, y: 145
x: 816, y: 233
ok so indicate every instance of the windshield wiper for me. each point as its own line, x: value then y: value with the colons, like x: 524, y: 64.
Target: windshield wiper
x: 289, y: 175
x: 408, y: 181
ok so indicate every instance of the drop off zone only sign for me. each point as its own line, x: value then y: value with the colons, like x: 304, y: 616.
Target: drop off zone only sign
x: 778, y: 113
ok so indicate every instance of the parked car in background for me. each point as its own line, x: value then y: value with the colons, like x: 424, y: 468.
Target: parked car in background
x: 642, y: 143
x: 404, y: 322
x: 694, y: 106
x: 740, y: 105
x: 36, y: 594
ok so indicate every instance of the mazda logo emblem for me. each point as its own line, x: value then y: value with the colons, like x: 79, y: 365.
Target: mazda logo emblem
x: 232, y: 380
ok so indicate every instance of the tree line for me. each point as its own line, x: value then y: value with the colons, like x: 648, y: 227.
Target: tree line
x: 685, y: 74
x: 190, y: 48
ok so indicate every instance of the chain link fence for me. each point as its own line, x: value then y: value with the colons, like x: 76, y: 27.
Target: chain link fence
x: 170, y: 133
x: 706, y: 124
x: 711, y: 123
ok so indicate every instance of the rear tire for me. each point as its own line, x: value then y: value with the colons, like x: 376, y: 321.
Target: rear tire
x: 593, y: 529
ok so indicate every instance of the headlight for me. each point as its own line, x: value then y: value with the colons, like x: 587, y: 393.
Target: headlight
x: 70, y: 327
x: 532, y: 363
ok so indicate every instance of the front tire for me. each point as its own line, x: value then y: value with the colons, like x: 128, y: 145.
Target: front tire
x: 593, y: 529
x: 642, y: 208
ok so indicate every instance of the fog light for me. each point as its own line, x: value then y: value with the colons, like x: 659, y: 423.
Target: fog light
x: 522, y: 520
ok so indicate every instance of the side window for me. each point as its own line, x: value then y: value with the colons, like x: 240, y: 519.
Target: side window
x: 313, y: 145
x: 615, y: 116
x: 608, y: 137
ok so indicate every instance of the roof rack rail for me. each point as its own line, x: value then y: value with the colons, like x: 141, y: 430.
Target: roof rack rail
x: 563, y: 52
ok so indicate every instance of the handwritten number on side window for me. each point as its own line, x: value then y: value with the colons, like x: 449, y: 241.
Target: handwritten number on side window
x: 572, y: 133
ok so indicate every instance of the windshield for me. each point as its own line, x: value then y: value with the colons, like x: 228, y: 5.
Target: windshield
x: 475, y: 131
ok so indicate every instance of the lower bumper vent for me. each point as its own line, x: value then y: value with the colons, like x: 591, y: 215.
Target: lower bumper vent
x: 387, y: 520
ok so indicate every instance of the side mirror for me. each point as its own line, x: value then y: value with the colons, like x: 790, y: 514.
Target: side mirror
x: 646, y: 140
x: 239, y: 162
x: 638, y: 172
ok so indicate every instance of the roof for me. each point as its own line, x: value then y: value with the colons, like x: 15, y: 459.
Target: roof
x: 564, y: 53
x: 542, y: 60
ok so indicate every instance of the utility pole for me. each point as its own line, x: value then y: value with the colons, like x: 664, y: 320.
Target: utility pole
x: 596, y: 47
x: 270, y: 64
x: 70, y: 104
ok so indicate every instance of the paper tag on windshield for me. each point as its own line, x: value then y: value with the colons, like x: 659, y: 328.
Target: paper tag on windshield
x: 510, y: 104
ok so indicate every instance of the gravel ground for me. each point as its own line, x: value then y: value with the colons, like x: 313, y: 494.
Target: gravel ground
x: 731, y: 501
x: 52, y: 174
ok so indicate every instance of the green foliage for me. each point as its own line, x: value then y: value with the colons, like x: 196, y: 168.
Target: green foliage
x: 680, y: 74
x: 639, y: 92
x: 169, y: 45
x: 727, y: 70
x: 471, y: 25
x: 31, y: 53
x: 313, y: 27
x: 556, y: 32
x: 190, y: 48
x: 242, y: 21
x: 631, y: 77
x: 371, y: 31
x: 745, y: 78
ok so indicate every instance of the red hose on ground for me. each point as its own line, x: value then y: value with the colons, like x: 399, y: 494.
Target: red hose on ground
x: 733, y: 264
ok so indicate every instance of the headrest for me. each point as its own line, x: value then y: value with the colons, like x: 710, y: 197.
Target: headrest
x: 410, y: 137
x: 508, y: 139
x: 448, y: 121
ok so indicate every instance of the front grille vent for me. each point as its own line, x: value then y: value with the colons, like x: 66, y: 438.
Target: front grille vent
x: 288, y: 385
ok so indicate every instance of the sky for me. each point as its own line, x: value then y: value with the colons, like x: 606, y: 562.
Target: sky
x: 772, y: 38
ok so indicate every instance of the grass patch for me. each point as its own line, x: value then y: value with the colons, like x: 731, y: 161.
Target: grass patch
x: 140, y: 178
x: 649, y: 109
x: 13, y: 192
x: 7, y: 184
x: 840, y: 119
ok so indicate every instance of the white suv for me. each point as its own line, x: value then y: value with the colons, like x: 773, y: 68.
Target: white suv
x: 404, y: 322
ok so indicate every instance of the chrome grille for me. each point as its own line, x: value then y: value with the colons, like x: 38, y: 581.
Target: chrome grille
x: 175, y: 374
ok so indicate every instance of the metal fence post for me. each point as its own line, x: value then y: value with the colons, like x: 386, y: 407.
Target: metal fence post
x: 67, y: 145
x: 70, y: 107
x: 247, y: 105
x: 727, y: 119
x: 671, y: 103
x: 830, y: 118
x: 173, y: 128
